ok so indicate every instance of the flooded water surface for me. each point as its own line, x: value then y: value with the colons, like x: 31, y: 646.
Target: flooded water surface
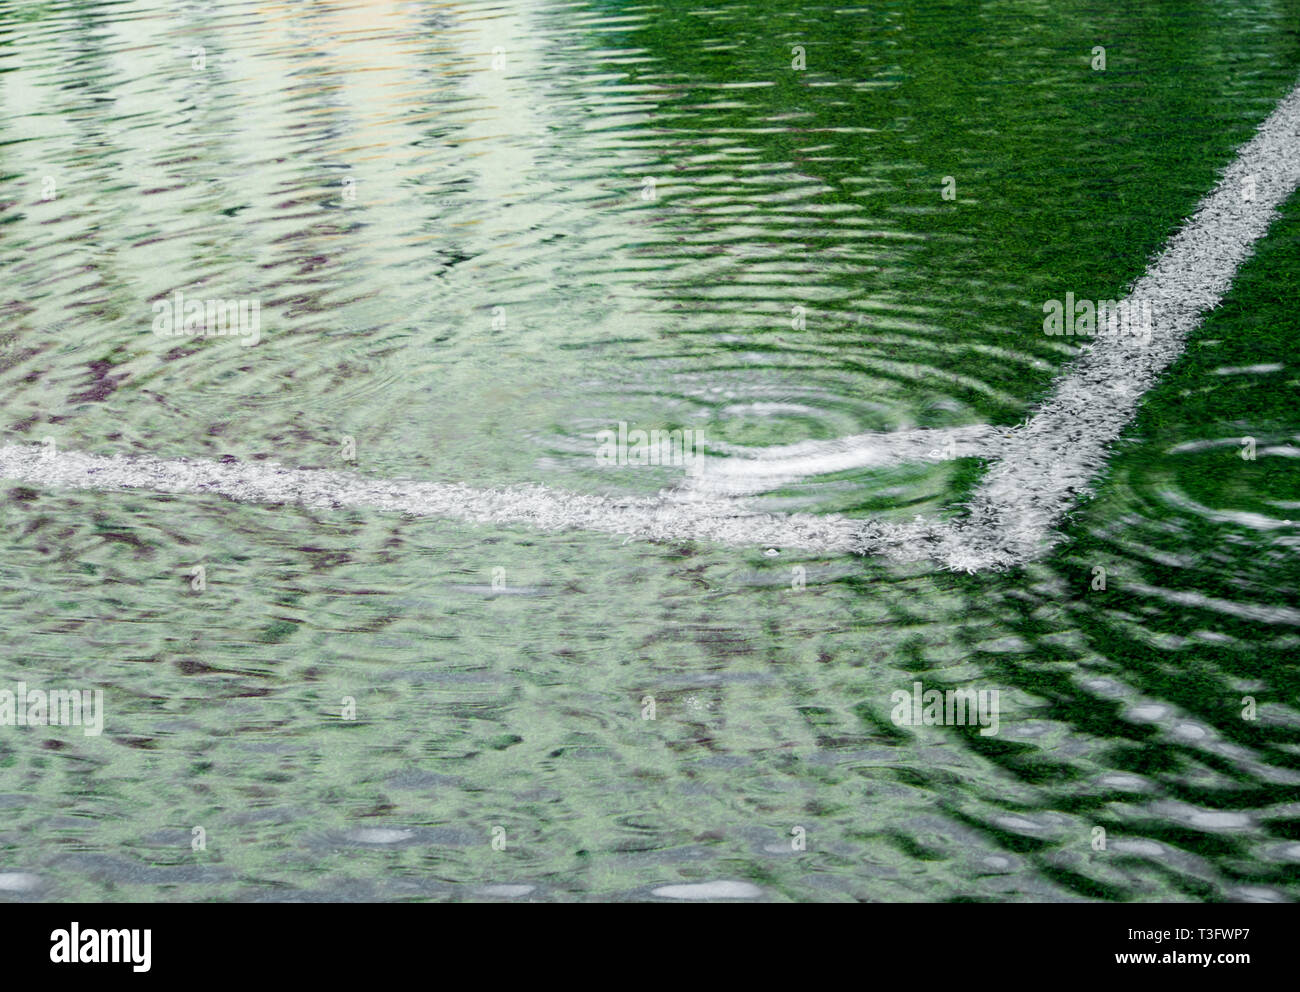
x: 455, y: 242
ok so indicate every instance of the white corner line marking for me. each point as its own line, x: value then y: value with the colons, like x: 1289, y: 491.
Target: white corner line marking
x: 1038, y: 469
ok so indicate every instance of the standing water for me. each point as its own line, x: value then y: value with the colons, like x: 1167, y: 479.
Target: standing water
x: 499, y: 244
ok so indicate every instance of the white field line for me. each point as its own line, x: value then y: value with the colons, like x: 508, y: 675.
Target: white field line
x: 666, y: 518
x: 1039, y: 469
x: 1050, y: 460
x: 748, y: 471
